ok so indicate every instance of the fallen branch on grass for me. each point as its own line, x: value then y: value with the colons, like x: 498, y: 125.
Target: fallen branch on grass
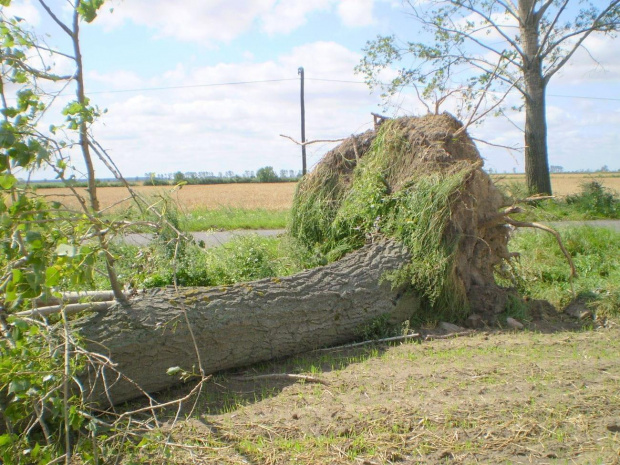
x: 70, y: 309
x: 372, y: 341
x: 431, y: 337
x: 307, y: 379
x: 524, y: 224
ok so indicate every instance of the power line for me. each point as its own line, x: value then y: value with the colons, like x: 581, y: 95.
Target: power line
x: 584, y: 97
x: 264, y: 81
x: 190, y: 86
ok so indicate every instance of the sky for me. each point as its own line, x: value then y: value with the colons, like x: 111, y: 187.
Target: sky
x: 210, y: 85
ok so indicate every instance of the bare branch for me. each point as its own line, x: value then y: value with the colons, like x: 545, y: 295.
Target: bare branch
x: 307, y: 379
x: 70, y: 309
x: 373, y: 341
x: 312, y: 141
x: 551, y: 26
x: 62, y: 25
x: 586, y: 32
x: 524, y: 224
x: 482, y: 141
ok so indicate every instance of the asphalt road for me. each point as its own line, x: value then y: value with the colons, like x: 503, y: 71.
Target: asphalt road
x: 210, y: 238
x: 216, y: 238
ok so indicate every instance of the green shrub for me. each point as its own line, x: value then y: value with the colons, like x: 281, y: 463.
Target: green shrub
x: 596, y: 201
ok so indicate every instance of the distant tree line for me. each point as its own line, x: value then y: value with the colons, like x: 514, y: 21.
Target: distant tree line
x: 265, y: 174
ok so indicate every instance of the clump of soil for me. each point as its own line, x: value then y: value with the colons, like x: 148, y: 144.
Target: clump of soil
x: 419, y: 181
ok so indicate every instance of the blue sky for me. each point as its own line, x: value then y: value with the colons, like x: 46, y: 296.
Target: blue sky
x: 146, y: 44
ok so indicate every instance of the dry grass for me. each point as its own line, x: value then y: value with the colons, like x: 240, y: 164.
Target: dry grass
x: 567, y: 183
x: 276, y: 196
x: 488, y: 398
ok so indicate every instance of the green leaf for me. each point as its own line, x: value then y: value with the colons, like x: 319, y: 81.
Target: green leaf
x: 17, y: 276
x: 72, y: 108
x: 173, y: 371
x: 7, y: 181
x: 5, y: 2
x: 34, y: 239
x: 52, y: 276
x: 88, y: 9
x: 18, y: 385
x: 7, y: 138
x: 5, y: 439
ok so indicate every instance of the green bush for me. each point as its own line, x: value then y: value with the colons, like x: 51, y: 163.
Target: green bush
x: 596, y: 201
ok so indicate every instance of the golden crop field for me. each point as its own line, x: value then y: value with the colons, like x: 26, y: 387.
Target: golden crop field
x: 279, y: 196
x: 567, y: 183
x: 273, y: 196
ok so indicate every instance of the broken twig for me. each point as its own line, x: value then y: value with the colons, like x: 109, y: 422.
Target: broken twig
x: 307, y: 379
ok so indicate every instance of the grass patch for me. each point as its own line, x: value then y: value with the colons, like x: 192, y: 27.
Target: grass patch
x: 594, y: 202
x: 542, y: 271
x: 244, y: 258
x: 229, y: 218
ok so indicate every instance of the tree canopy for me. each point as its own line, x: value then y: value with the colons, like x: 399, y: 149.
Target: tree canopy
x: 480, y: 50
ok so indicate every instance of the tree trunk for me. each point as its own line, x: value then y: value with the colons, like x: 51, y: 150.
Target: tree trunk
x: 241, y: 324
x: 536, y: 158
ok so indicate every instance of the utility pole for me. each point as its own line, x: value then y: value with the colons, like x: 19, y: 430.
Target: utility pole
x: 300, y: 71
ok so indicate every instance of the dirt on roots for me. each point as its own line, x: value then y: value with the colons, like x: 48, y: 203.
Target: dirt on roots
x: 425, y: 174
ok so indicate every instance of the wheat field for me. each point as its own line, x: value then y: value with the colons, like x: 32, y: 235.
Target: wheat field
x: 564, y: 184
x: 273, y: 196
x: 277, y: 196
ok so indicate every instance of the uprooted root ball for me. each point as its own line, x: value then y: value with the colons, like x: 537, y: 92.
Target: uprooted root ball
x: 419, y: 181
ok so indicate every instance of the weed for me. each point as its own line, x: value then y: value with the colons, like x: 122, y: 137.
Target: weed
x: 516, y: 308
x: 596, y: 200
x: 544, y: 274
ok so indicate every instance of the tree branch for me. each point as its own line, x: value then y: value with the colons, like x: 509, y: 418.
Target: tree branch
x: 62, y: 25
x: 586, y: 32
x: 312, y: 141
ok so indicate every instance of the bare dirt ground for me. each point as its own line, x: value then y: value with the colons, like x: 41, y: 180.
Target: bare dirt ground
x: 547, y: 395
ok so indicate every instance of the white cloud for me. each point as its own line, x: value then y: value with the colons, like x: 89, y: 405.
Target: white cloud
x: 288, y: 15
x: 212, y: 22
x: 598, y: 60
x: 205, y: 21
x: 24, y: 9
x: 232, y: 127
x: 355, y: 13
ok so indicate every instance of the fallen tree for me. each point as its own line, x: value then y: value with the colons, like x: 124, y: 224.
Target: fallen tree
x: 212, y: 329
x: 411, y: 225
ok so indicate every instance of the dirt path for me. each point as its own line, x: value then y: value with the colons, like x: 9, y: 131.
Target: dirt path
x: 498, y: 397
x: 610, y: 224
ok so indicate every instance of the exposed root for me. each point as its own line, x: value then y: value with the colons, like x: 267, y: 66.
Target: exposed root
x: 525, y: 224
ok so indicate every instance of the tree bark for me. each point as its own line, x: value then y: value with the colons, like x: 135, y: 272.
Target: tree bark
x: 537, y: 174
x: 241, y: 324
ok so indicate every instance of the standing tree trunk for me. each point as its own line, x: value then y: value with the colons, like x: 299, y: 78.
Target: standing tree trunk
x: 536, y: 158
